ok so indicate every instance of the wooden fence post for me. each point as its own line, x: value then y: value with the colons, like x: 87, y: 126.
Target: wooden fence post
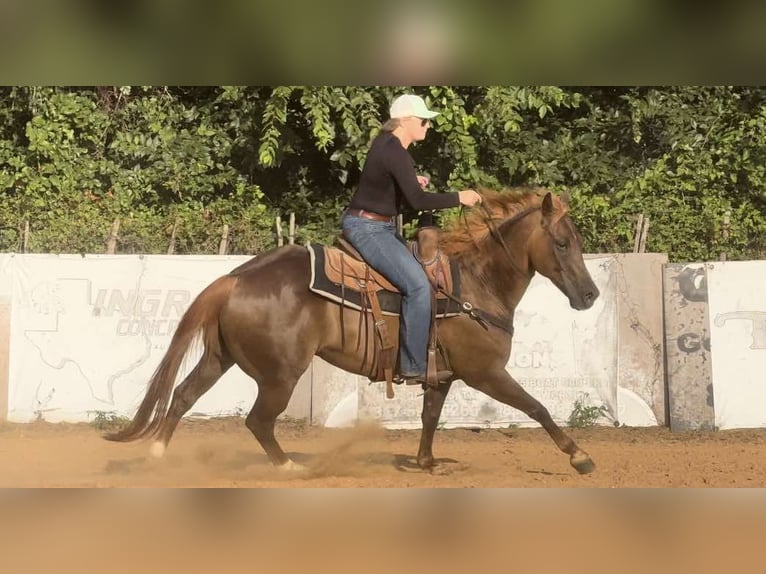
x: 725, y: 232
x: 644, y: 235
x: 291, y: 235
x: 25, y: 241
x: 224, y: 240
x: 642, y: 230
x: 280, y: 240
x: 639, y: 228
x: 172, y: 245
x: 111, y: 243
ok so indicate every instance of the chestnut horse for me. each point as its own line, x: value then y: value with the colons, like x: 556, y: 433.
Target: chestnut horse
x: 263, y: 318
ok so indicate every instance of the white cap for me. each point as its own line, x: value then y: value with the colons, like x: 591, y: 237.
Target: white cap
x: 409, y: 105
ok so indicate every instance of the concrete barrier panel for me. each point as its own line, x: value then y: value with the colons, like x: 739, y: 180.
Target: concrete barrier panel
x: 687, y: 347
x: 641, y: 348
x: 5, y: 330
x: 738, y: 339
x: 88, y: 332
x: 5, y: 340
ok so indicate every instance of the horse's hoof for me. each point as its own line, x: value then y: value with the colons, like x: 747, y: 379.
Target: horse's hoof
x: 157, y: 450
x: 426, y: 465
x: 582, y: 463
x: 291, y: 466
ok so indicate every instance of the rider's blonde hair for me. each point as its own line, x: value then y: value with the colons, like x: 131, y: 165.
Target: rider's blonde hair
x: 391, y: 125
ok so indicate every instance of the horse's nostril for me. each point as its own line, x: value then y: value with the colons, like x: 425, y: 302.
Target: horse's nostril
x: 589, y: 296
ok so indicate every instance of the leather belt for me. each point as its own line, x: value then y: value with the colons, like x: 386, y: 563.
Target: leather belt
x: 368, y: 215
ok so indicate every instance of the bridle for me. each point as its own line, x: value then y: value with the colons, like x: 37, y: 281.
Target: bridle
x: 482, y: 317
x: 495, y: 233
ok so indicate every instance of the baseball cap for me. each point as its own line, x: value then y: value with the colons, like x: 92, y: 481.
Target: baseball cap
x: 410, y: 105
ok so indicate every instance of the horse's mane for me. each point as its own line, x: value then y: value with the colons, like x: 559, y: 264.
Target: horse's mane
x: 464, y: 233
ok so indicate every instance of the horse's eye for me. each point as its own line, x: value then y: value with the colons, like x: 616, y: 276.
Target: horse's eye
x: 562, y: 245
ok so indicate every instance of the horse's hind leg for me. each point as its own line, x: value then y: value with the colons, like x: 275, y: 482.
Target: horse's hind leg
x: 210, y: 368
x: 433, y: 401
x: 501, y: 386
x: 273, y: 395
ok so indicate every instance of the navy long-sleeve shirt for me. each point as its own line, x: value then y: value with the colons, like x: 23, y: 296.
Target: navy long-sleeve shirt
x: 388, y: 176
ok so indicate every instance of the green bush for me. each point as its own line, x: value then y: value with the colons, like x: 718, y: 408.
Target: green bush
x: 584, y: 415
x: 72, y: 160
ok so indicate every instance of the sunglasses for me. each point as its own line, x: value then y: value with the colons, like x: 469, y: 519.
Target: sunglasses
x: 425, y: 122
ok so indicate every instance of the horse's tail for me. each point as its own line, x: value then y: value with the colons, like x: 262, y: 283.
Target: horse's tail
x: 200, y: 319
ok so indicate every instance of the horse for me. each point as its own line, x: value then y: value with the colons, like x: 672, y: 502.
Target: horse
x: 262, y: 317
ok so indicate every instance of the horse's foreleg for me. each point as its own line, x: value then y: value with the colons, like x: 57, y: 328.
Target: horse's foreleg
x: 501, y: 386
x: 209, y: 369
x: 433, y: 401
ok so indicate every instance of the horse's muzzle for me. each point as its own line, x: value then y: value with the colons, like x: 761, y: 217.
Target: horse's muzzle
x: 585, y: 300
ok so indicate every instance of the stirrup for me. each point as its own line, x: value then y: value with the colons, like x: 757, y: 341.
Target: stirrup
x: 441, y: 376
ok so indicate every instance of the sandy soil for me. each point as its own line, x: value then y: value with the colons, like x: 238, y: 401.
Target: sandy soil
x: 222, y: 453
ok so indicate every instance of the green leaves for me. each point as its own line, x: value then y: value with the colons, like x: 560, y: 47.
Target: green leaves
x: 686, y: 157
x: 273, y: 119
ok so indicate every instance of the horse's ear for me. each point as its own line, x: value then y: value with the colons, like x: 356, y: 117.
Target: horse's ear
x: 547, y: 205
x: 565, y: 198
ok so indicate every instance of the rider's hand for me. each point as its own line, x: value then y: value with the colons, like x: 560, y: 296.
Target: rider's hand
x: 469, y: 197
x: 423, y: 181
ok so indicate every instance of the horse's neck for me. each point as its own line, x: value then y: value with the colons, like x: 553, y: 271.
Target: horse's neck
x: 493, y: 284
x: 489, y: 276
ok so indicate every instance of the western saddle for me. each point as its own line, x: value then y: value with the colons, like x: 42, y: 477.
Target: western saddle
x: 345, y: 268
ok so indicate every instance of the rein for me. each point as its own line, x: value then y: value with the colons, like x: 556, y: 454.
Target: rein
x: 482, y: 317
x: 493, y: 231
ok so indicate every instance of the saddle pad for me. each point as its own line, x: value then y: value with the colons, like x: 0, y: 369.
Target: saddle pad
x: 390, y: 302
x: 341, y: 267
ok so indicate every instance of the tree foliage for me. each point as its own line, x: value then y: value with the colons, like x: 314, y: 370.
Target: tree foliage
x: 194, y: 158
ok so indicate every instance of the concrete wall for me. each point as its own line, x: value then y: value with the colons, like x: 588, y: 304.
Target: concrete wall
x: 5, y: 341
x: 643, y: 351
x: 6, y: 278
x: 641, y: 345
x: 687, y: 347
x: 737, y: 311
x: 326, y: 395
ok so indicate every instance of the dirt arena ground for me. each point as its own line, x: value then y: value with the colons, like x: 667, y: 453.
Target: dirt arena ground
x: 222, y: 453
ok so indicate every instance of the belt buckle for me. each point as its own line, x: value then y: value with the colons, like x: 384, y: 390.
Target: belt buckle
x: 370, y: 215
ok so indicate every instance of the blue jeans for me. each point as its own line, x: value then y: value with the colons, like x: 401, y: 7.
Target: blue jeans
x: 386, y: 251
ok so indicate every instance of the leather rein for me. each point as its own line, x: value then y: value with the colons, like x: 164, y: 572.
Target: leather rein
x: 482, y: 317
